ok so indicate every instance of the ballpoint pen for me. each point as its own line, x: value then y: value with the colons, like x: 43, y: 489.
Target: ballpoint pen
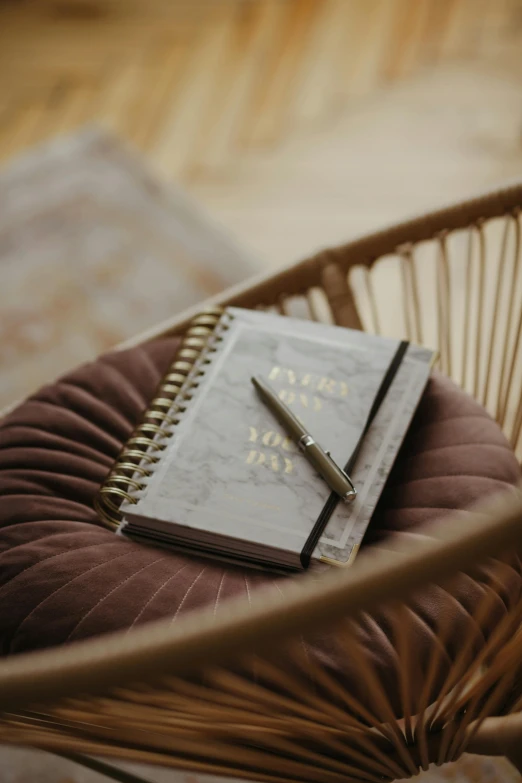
x: 336, y: 478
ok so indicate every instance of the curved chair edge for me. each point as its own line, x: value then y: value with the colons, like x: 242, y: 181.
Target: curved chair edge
x: 160, y: 648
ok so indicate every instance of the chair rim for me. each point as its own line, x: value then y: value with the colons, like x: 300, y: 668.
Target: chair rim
x: 161, y: 649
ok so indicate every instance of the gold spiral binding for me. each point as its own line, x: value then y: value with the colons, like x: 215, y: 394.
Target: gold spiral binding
x: 136, y: 459
x: 161, y: 402
x: 139, y: 469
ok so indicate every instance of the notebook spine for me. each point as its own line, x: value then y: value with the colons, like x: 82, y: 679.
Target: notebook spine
x: 135, y: 462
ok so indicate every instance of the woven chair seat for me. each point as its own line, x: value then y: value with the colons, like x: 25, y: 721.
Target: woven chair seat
x: 64, y: 577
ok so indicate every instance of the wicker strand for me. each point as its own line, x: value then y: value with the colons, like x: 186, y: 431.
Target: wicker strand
x: 466, y: 322
x: 444, y: 303
x: 479, y: 313
x: 492, y: 342
x: 510, y: 357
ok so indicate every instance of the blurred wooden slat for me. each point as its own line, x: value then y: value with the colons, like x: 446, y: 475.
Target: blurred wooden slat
x: 460, y: 33
x: 175, y: 140
x: 271, y: 111
x: 243, y: 69
x: 156, y: 82
x: 368, y: 41
x: 202, y: 87
x: 315, y: 89
x: 410, y: 43
x: 194, y: 84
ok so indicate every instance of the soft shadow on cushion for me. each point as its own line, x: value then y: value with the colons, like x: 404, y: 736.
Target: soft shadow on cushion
x: 63, y: 577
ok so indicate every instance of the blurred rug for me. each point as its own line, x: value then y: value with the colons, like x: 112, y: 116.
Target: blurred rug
x: 93, y: 249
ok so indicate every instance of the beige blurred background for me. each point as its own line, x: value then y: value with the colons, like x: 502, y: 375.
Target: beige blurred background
x: 297, y: 123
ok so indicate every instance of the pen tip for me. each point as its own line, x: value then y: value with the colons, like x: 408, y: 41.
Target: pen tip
x: 258, y: 383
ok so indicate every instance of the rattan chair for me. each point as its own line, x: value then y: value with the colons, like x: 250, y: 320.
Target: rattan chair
x: 232, y: 695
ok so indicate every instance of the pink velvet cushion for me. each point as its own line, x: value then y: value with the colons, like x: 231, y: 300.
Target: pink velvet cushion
x: 63, y: 577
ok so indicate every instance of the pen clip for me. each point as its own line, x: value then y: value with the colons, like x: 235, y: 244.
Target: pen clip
x: 352, y: 494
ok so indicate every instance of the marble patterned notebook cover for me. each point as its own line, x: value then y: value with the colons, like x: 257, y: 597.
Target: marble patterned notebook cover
x: 232, y: 484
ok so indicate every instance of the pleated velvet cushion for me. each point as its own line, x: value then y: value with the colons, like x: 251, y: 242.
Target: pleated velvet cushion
x: 64, y: 577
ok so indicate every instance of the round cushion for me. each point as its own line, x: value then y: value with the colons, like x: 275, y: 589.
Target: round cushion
x: 64, y: 577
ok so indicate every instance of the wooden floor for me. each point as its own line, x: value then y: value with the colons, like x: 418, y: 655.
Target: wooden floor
x: 293, y: 120
x: 195, y: 83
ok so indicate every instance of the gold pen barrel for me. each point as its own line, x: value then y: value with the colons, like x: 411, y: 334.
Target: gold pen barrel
x: 336, y: 478
x: 338, y: 481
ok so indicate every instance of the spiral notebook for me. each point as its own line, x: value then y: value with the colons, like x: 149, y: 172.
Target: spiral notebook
x: 210, y: 471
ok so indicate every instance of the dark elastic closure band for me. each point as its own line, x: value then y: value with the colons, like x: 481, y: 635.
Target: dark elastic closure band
x: 331, y: 503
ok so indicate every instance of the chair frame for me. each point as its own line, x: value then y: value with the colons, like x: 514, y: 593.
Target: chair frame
x: 95, y: 668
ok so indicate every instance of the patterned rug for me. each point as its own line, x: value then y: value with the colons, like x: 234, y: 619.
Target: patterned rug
x: 93, y: 250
